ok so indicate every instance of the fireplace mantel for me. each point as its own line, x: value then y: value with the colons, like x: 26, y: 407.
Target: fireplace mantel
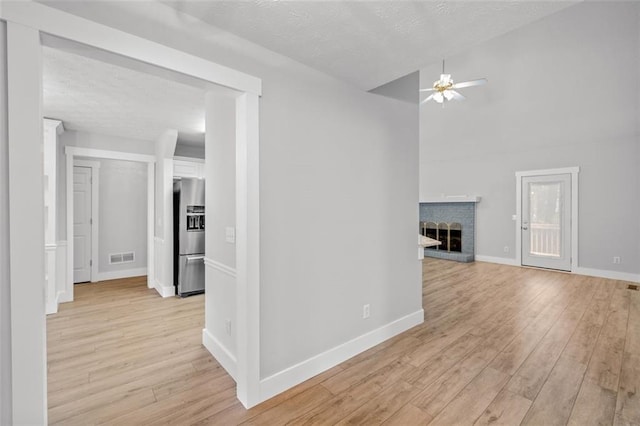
x: 452, y: 199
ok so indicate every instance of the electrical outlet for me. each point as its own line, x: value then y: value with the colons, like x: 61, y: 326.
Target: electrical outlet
x: 227, y: 326
x: 365, y: 311
x: 617, y: 260
x: 506, y: 249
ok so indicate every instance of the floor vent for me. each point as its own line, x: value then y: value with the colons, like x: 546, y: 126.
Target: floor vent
x: 633, y: 287
x: 127, y: 257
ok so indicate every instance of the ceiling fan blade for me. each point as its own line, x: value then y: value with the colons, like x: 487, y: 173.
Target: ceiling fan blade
x: 457, y: 96
x: 478, y: 82
x: 427, y: 99
x: 427, y: 90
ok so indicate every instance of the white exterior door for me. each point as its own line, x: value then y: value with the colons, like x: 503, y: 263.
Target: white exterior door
x: 81, y: 224
x: 546, y: 221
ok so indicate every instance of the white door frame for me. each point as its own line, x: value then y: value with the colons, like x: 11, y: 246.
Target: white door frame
x: 573, y: 171
x: 71, y: 152
x: 95, y: 212
x: 26, y: 22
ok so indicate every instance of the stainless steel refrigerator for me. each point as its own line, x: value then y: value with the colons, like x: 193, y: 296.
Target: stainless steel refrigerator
x: 188, y: 236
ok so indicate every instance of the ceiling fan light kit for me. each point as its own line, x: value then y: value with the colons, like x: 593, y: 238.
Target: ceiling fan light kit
x: 444, y: 88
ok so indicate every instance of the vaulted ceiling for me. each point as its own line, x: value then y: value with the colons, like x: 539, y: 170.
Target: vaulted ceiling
x: 368, y: 43
x: 365, y: 43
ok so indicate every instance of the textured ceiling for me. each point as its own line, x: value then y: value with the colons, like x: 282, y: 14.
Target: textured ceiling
x: 95, y: 96
x: 368, y: 43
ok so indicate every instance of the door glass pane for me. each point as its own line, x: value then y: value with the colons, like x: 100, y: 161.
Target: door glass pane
x: 545, y: 201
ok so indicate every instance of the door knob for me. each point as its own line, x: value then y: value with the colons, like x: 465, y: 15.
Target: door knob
x: 524, y: 228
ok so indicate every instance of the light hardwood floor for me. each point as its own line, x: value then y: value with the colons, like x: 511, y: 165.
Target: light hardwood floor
x: 499, y: 345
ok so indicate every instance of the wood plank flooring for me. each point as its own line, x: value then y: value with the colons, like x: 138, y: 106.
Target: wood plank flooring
x: 499, y: 345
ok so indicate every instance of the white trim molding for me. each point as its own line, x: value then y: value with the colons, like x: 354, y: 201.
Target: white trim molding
x: 499, y: 260
x: 221, y: 267
x: 189, y: 159
x: 75, y: 28
x: 224, y: 357
x: 248, y: 249
x: 452, y: 199
x: 151, y: 209
x: 591, y: 272
x: 288, y: 378
x: 612, y: 275
x: 50, y: 259
x: 164, y: 291
x: 573, y: 171
x: 28, y: 360
x: 95, y: 213
x: 61, y: 273
x: 109, y: 155
x: 124, y: 273
x: 159, y: 278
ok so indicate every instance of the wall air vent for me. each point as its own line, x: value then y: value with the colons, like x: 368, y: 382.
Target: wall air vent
x: 127, y: 257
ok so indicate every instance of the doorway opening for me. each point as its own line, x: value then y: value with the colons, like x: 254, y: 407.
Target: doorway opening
x: 140, y: 197
x: 26, y: 33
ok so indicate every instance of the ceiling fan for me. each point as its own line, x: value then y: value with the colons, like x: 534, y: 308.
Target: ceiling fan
x: 444, y: 88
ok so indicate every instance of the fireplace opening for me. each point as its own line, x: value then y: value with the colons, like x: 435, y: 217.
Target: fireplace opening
x: 449, y: 234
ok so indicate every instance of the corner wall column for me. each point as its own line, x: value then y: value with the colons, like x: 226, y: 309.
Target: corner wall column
x: 26, y: 214
x: 248, y: 249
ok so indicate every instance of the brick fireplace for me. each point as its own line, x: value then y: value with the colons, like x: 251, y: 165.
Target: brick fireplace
x: 451, y: 220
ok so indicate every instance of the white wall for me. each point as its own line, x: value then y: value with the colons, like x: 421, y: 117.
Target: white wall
x: 220, y: 184
x: 338, y: 197
x: 94, y: 141
x: 5, y: 305
x: 188, y: 150
x: 562, y: 91
x: 122, y: 206
x: 338, y: 216
x: 404, y: 88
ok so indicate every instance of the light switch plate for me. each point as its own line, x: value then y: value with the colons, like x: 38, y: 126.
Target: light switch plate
x: 230, y: 234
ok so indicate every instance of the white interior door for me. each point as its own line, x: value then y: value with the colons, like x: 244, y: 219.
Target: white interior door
x: 81, y: 224
x: 546, y: 221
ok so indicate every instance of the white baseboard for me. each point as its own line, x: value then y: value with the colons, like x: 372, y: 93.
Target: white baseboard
x: 61, y: 273
x: 591, y: 272
x: 64, y: 297
x: 305, y: 370
x: 164, y: 291
x: 125, y: 273
x: 500, y: 260
x: 226, y: 359
x: 51, y: 277
x: 602, y: 273
x: 51, y: 306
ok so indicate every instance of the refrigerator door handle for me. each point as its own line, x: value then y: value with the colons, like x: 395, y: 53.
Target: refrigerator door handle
x: 194, y: 258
